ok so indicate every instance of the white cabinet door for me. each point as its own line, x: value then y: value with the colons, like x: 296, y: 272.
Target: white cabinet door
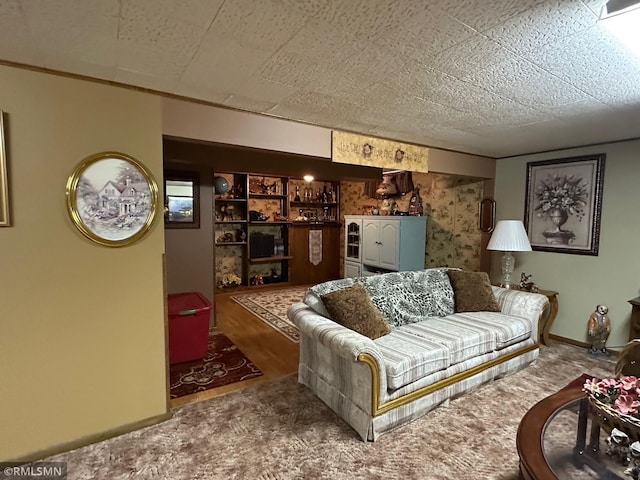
x: 389, y: 246
x: 371, y: 242
x: 351, y: 270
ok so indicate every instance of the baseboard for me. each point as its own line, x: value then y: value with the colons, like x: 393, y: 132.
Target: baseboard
x: 88, y: 440
x: 570, y: 341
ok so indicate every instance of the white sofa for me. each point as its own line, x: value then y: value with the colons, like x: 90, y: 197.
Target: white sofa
x: 378, y: 385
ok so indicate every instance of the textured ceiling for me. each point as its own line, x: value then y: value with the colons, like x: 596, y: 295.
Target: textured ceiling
x: 490, y: 77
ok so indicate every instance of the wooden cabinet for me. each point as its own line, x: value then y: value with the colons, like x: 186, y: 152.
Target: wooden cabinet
x: 386, y: 244
x: 309, y: 267
x: 380, y: 243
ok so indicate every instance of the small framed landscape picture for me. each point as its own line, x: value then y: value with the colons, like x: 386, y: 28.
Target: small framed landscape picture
x: 563, y: 204
x: 112, y: 199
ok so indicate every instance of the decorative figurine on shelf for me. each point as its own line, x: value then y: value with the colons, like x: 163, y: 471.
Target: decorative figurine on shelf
x: 526, y: 285
x: 257, y: 280
x: 415, y: 204
x: 387, y: 206
x: 598, y: 328
x: 227, y: 212
x: 230, y: 280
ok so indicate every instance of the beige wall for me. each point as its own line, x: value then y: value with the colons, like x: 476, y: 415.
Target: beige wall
x: 189, y: 258
x: 584, y: 281
x: 82, y: 348
x: 202, y: 122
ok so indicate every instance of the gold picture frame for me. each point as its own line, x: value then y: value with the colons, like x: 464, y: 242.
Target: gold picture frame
x: 112, y: 199
x: 5, y: 219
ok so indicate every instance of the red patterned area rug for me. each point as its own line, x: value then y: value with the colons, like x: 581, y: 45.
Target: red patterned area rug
x: 223, y: 364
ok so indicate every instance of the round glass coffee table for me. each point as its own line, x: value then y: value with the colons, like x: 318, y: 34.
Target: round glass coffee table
x: 558, y: 439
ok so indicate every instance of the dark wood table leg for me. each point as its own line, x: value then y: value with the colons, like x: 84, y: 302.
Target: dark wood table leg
x: 581, y: 433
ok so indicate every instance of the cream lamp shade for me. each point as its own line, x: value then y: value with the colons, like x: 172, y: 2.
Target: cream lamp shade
x: 509, y: 236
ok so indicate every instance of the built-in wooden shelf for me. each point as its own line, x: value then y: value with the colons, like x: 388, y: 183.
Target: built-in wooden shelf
x: 221, y: 244
x: 270, y: 259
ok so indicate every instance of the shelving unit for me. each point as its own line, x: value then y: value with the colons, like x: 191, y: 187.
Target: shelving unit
x: 253, y: 223
x: 230, y: 227
x: 318, y: 202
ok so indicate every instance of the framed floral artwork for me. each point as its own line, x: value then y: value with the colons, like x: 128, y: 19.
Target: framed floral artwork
x: 112, y: 199
x: 564, y: 203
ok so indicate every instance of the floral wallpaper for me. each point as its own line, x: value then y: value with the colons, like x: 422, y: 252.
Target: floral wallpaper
x: 452, y: 205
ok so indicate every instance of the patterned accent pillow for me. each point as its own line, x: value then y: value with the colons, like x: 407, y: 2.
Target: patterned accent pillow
x: 473, y: 292
x: 352, y: 308
x: 409, y: 297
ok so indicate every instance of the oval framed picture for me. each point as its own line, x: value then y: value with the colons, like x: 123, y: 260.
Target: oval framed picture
x: 112, y: 199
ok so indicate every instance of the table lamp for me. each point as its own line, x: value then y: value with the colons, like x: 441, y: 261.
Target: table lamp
x: 509, y: 236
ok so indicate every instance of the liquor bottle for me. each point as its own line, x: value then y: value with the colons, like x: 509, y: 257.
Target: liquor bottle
x: 297, y: 197
x: 325, y: 195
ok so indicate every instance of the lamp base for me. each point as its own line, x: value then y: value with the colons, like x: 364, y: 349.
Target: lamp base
x: 507, y: 269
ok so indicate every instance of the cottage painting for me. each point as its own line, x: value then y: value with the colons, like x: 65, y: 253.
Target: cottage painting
x: 114, y: 199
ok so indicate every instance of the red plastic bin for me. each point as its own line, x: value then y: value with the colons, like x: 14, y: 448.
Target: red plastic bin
x: 189, y: 315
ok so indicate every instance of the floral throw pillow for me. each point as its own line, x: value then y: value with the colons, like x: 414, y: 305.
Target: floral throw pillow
x: 352, y: 308
x: 472, y: 292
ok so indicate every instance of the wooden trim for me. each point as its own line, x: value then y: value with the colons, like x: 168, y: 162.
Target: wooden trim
x: 531, y: 430
x: 378, y: 409
x: 577, y: 343
x: 95, y: 438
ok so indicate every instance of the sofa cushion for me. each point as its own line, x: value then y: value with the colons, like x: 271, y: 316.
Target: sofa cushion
x: 472, y: 292
x: 352, y: 308
x: 409, y: 357
x: 507, y: 329
x: 416, y: 350
x: 313, y: 295
x: 407, y: 297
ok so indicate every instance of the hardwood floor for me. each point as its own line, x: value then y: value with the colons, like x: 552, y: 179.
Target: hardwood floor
x: 271, y: 352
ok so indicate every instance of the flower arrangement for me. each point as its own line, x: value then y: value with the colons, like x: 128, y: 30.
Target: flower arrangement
x: 566, y: 193
x: 622, y: 395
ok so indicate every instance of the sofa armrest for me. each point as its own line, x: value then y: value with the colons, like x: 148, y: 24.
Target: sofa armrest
x: 343, y: 343
x: 522, y: 304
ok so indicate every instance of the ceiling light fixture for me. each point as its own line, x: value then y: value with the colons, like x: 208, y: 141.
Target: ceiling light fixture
x: 617, y: 7
x: 621, y: 18
x: 308, y: 178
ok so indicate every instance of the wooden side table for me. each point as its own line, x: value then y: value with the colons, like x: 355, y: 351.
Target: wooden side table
x: 544, y: 325
x: 634, y: 328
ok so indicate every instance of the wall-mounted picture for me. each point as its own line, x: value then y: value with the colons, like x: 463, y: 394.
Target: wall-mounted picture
x: 563, y: 204
x: 4, y: 178
x: 112, y: 199
x: 182, y: 199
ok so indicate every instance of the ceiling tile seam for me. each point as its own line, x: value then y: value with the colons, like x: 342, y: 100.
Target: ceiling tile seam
x: 202, y: 36
x: 506, y: 47
x: 275, y: 53
x: 525, y: 59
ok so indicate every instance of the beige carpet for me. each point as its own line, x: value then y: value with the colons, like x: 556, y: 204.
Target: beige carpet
x: 271, y: 307
x: 279, y: 430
